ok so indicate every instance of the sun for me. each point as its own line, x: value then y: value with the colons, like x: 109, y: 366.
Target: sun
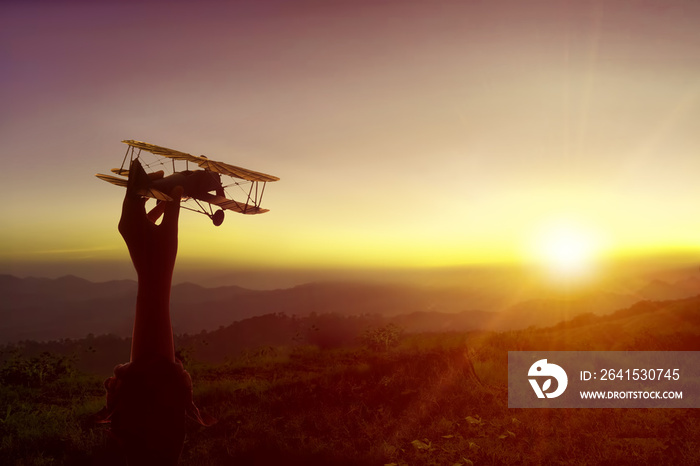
x: 567, y: 250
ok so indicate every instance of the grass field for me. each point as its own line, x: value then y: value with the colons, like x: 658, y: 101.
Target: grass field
x: 429, y: 399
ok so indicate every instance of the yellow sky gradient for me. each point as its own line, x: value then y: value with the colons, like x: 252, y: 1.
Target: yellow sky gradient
x: 404, y: 134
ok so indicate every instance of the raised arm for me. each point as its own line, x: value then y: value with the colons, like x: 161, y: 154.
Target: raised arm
x: 153, y: 249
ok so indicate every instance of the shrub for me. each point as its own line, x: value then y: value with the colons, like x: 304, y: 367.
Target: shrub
x: 382, y: 338
x: 36, y: 371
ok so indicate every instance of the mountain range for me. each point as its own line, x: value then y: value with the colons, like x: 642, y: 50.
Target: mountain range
x: 71, y: 307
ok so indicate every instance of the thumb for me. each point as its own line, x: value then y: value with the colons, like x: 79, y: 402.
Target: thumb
x: 172, y: 208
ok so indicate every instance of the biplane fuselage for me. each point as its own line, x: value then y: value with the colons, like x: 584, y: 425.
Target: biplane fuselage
x: 196, y: 183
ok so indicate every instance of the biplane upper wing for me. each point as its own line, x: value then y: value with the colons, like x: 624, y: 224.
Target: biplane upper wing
x: 204, y: 162
x: 232, y: 170
x: 164, y: 151
x: 224, y: 203
x: 148, y: 192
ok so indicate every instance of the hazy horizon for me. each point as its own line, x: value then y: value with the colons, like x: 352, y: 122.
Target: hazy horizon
x: 667, y: 268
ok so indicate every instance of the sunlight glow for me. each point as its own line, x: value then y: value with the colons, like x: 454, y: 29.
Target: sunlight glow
x: 567, y: 250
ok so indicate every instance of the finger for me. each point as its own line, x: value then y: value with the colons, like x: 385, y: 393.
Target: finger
x: 156, y: 211
x: 133, y: 215
x: 172, y: 209
x: 138, y: 180
x: 131, y: 184
x: 134, y: 206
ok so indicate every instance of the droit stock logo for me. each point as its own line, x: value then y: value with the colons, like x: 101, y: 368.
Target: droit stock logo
x: 546, y: 371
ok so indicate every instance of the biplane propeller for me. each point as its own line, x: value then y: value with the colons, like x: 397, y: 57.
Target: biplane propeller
x: 203, y: 186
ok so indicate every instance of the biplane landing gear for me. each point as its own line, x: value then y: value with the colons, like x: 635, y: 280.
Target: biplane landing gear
x: 217, y: 217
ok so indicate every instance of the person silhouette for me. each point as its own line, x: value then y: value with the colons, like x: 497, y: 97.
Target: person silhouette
x: 149, y: 398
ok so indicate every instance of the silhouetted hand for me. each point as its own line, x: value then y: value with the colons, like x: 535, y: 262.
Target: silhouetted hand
x: 152, y: 247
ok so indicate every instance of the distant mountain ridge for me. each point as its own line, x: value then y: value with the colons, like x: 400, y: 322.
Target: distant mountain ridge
x: 660, y: 290
x: 72, y: 307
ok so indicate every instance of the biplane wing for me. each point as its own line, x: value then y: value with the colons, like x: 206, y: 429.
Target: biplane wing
x: 148, y: 192
x: 224, y: 203
x: 113, y: 179
x: 203, y: 162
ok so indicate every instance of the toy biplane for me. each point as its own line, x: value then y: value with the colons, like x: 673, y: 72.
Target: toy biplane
x: 202, y: 186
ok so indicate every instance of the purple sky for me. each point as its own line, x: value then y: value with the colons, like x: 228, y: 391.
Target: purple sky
x: 405, y: 133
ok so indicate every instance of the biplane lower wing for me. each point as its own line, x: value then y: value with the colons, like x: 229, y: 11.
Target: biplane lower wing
x: 152, y: 193
x: 224, y: 203
x: 112, y: 179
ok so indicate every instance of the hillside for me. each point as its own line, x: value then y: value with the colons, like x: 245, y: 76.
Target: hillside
x: 647, y: 325
x: 434, y: 398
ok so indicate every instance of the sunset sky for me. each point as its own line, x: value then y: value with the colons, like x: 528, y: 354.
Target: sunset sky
x: 405, y: 133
